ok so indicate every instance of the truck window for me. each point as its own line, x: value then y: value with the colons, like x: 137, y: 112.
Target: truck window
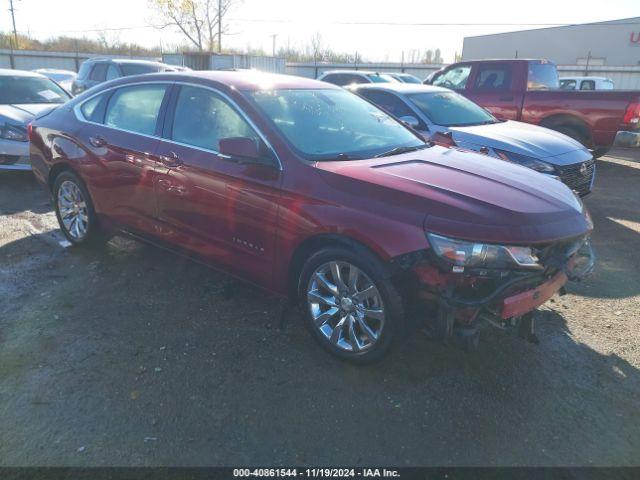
x: 543, y: 76
x: 567, y: 84
x: 493, y: 77
x: 454, y: 78
x: 588, y: 85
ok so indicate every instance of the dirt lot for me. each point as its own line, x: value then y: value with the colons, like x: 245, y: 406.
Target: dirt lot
x: 127, y: 355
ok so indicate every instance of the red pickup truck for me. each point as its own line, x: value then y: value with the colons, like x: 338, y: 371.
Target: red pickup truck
x: 528, y: 91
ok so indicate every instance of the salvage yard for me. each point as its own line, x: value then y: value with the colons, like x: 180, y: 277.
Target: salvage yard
x: 128, y: 355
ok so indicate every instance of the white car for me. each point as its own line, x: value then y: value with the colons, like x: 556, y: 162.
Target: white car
x: 64, y: 78
x: 344, y: 78
x: 586, y: 83
x: 23, y: 95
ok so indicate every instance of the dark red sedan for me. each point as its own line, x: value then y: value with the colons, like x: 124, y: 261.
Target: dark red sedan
x: 313, y: 193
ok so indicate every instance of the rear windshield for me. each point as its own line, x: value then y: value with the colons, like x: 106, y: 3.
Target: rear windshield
x: 543, y: 76
x: 138, y: 69
x: 450, y: 109
x: 30, y: 90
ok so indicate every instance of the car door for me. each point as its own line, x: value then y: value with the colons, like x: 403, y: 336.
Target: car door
x: 219, y: 207
x: 122, y: 138
x: 492, y: 87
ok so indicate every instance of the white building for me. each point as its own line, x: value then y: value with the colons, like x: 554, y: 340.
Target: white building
x: 612, y: 43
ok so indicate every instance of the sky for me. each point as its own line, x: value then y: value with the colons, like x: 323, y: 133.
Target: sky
x: 253, y: 22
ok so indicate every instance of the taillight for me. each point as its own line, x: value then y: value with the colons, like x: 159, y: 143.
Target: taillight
x: 632, y: 114
x: 29, y: 130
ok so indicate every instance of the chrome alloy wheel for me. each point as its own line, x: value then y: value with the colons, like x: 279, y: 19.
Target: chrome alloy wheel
x: 73, y: 210
x: 346, y: 307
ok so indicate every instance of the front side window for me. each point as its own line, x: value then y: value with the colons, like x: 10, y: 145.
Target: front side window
x: 543, y: 76
x: 202, y: 118
x: 332, y: 124
x: 387, y: 102
x: 450, y: 109
x: 20, y: 89
x: 135, y: 108
x: 493, y: 77
x: 567, y: 84
x: 454, y: 78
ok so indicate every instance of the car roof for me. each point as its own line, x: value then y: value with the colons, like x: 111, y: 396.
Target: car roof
x: 244, y: 80
x: 402, y: 88
x: 357, y: 72
x: 124, y: 61
x: 6, y: 72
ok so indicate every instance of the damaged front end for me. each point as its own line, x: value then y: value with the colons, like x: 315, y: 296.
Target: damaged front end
x: 466, y: 286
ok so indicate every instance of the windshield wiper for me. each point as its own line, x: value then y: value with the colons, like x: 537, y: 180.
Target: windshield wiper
x: 399, y: 150
x: 339, y: 158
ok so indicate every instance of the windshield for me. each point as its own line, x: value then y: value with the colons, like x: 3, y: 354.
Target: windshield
x: 25, y: 90
x: 326, y: 124
x: 450, y: 109
x: 381, y: 78
x: 137, y: 69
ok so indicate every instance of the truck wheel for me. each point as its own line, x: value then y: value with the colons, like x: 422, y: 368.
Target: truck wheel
x: 573, y: 133
x: 74, y: 210
x: 352, y: 308
x: 600, y: 152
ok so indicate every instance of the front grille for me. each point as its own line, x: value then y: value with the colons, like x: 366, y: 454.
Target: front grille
x: 577, y: 177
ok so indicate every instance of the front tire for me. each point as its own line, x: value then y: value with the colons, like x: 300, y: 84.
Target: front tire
x: 352, y: 307
x: 74, y: 210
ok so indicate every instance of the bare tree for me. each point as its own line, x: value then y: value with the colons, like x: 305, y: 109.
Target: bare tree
x: 200, y: 21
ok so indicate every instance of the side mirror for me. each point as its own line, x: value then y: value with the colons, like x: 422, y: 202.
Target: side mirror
x: 240, y: 147
x: 410, y: 121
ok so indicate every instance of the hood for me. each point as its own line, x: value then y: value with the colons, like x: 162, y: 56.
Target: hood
x: 517, y: 137
x: 466, y: 195
x: 21, y: 114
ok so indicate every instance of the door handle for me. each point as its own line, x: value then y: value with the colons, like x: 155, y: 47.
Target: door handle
x: 97, y: 141
x: 171, y: 160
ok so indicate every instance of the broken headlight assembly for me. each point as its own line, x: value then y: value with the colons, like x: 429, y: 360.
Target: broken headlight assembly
x: 461, y: 254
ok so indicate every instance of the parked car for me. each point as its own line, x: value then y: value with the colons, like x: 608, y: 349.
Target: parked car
x: 343, y: 78
x: 586, y: 83
x: 529, y: 91
x: 64, y: 78
x: 434, y: 111
x: 98, y: 70
x: 22, y: 96
x: 310, y: 191
x: 405, y: 77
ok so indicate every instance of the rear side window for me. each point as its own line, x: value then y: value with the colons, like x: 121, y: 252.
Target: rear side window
x: 137, y: 69
x: 588, y: 85
x: 336, y: 78
x: 135, y: 108
x: 454, y: 78
x: 99, y: 72
x: 202, y: 118
x: 493, y: 77
x: 543, y: 76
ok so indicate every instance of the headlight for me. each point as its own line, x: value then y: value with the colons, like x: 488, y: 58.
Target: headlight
x: 481, y: 255
x: 526, y: 161
x: 13, y: 132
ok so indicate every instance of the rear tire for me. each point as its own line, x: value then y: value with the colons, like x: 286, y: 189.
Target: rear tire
x: 600, y: 152
x: 574, y: 133
x: 351, y: 306
x: 75, y: 212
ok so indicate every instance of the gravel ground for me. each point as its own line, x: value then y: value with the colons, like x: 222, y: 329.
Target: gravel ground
x: 128, y: 355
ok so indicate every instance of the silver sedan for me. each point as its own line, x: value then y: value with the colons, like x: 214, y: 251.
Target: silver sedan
x: 439, y: 113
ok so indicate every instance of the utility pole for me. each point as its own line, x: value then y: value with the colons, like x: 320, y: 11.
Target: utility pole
x: 219, y: 26
x: 273, y: 44
x: 13, y: 19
